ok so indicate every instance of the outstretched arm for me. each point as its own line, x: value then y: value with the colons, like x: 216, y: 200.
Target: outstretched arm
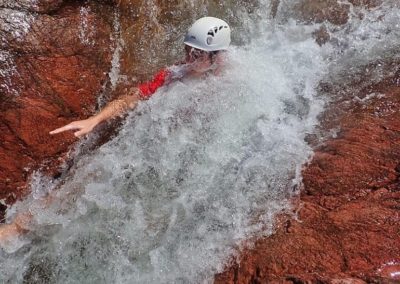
x: 114, y: 108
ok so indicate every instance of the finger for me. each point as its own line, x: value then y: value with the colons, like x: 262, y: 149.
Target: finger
x: 62, y: 129
x: 58, y: 130
x: 80, y: 133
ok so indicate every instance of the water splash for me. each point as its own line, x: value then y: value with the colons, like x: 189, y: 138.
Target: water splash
x: 86, y: 30
x: 18, y: 23
x: 15, y: 25
x: 114, y: 73
x: 7, y: 72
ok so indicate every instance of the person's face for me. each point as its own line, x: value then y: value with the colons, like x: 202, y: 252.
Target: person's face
x: 196, y: 55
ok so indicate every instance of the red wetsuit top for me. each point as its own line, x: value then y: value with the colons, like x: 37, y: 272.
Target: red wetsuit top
x: 149, y: 88
x: 163, y: 77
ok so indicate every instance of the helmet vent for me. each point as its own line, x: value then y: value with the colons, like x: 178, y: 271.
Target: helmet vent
x: 211, y: 33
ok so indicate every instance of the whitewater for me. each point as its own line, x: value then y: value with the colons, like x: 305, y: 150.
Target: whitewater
x: 202, y: 167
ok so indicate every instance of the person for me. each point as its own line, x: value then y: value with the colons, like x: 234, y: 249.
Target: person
x: 204, y: 42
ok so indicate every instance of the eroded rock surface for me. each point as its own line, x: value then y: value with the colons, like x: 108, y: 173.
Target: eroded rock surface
x: 55, y: 61
x: 347, y: 229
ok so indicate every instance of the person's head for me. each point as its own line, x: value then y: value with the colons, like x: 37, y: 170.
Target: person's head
x: 205, y: 38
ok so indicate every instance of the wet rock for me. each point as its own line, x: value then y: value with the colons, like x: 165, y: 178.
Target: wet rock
x: 347, y: 230
x: 320, y: 10
x: 53, y: 68
x: 333, y: 11
x: 42, y: 6
x: 39, y: 6
x: 366, y: 3
x: 321, y: 35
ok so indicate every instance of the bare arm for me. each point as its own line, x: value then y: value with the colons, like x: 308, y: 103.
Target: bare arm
x: 112, y: 109
x: 117, y: 107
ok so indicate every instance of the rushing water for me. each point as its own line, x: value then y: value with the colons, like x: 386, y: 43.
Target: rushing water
x: 199, y: 168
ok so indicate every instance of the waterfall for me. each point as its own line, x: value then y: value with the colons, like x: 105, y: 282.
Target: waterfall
x: 203, y: 166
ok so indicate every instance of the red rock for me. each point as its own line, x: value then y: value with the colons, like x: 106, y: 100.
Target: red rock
x: 54, y: 73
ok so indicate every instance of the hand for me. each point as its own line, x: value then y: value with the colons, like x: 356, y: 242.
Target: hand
x: 8, y: 232
x: 9, y: 237
x: 83, y: 127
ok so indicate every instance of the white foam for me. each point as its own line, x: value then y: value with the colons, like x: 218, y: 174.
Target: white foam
x: 114, y: 73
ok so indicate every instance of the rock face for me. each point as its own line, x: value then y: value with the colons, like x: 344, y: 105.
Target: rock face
x: 55, y: 61
x: 347, y: 229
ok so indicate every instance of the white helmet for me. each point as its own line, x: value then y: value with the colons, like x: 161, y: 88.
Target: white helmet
x: 209, y: 34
